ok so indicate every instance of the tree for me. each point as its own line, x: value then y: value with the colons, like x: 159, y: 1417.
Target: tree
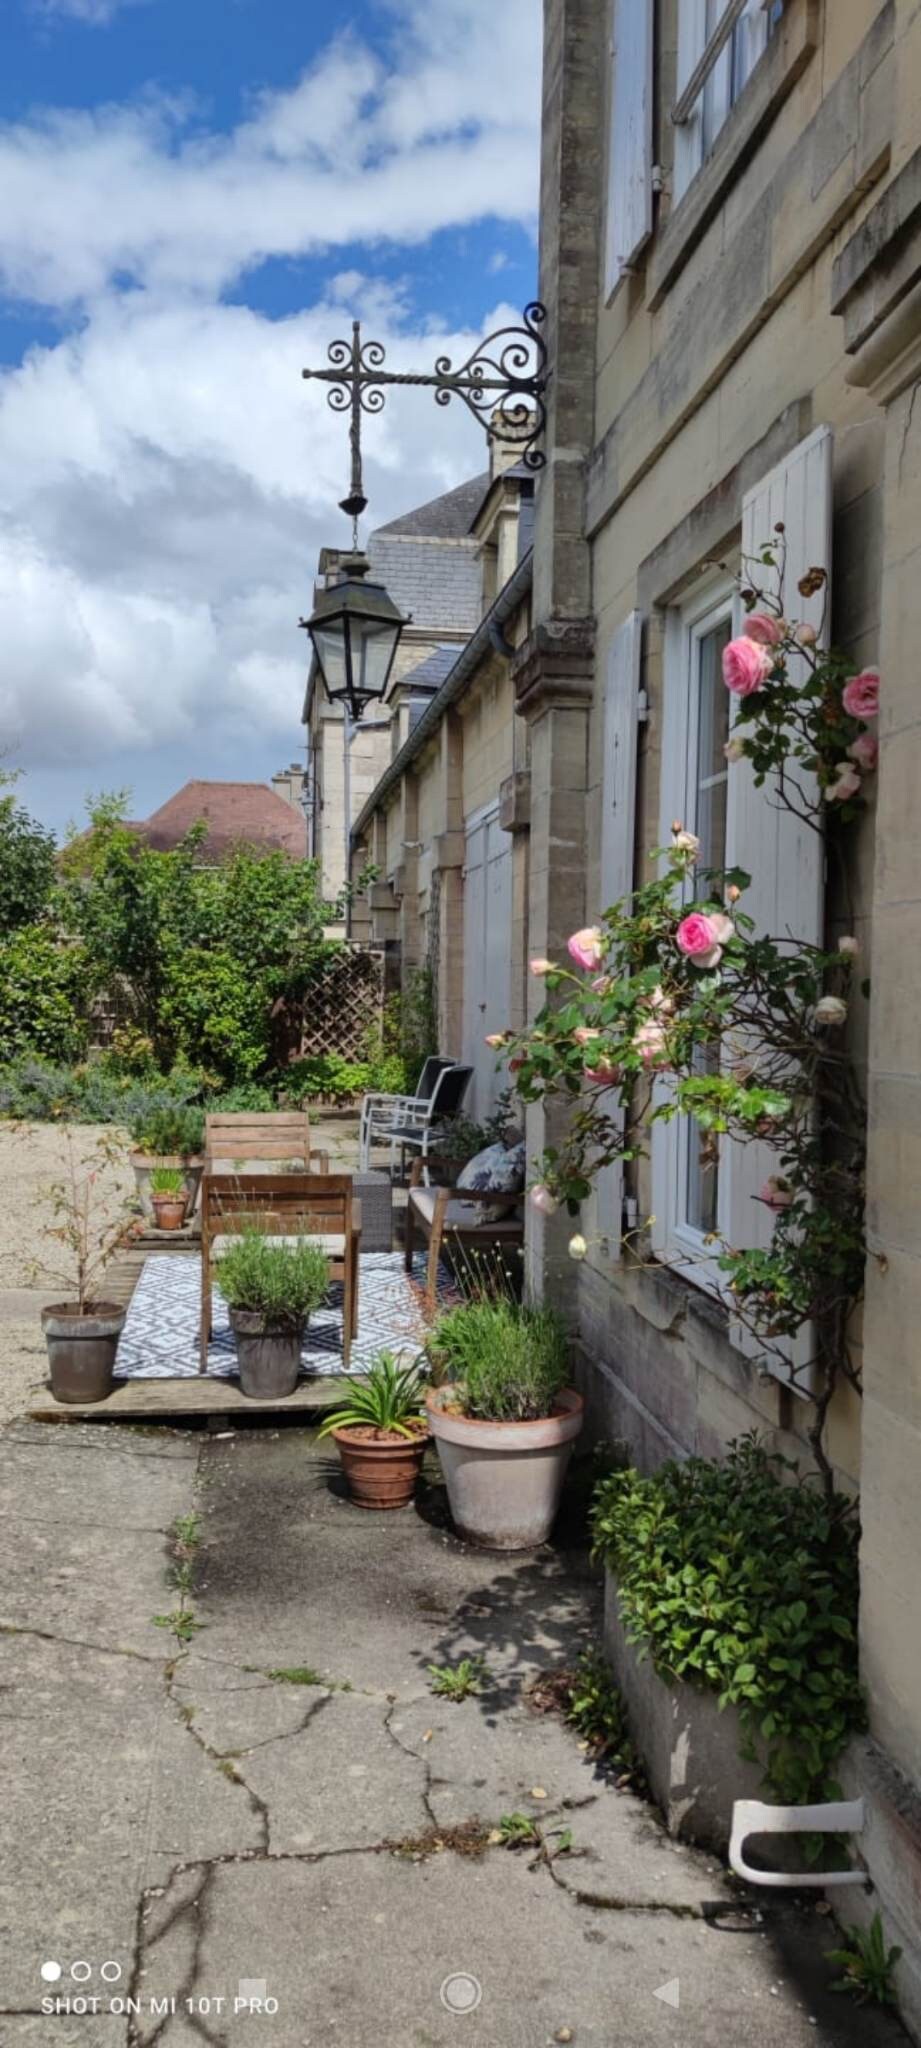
x: 27, y: 863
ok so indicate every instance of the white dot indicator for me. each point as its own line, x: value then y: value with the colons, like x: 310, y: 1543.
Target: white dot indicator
x: 51, y: 1972
x: 111, y: 1972
x: 81, y: 1972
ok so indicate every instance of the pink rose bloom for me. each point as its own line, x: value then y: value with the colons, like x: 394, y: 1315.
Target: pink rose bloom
x: 806, y: 636
x: 701, y: 938
x: 734, y: 750
x: 865, y: 751
x: 586, y: 947
x: 846, y: 783
x: 849, y: 946
x: 776, y: 1192
x: 541, y: 966
x: 860, y: 696
x: 584, y: 1033
x: 495, y: 1039
x: 763, y: 627
x: 604, y: 1074
x: 651, y: 1044
x: 746, y: 666
x: 543, y: 1200
x: 603, y: 984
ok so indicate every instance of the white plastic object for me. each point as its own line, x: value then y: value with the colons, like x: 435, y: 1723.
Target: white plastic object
x: 834, y: 1817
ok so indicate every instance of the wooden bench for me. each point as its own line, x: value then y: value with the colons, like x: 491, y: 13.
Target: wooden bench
x: 247, y: 1138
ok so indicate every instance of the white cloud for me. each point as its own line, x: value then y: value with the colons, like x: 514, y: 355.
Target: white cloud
x: 96, y: 13
x: 353, y: 152
x: 166, y: 478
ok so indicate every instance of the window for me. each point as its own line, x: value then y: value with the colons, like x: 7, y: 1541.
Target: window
x: 719, y: 44
x: 693, y: 1196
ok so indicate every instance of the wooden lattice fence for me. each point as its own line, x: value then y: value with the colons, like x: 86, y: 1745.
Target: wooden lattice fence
x: 344, y: 1004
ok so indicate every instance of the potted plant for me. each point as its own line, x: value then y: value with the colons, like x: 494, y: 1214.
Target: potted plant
x: 271, y: 1288
x: 503, y: 1418
x: 82, y: 1332
x: 381, y: 1434
x: 168, y: 1139
x: 168, y: 1197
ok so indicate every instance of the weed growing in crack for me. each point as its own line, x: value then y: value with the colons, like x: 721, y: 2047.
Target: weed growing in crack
x: 467, y: 1838
x: 458, y: 1681
x: 186, y: 1536
x: 867, y: 1965
x: 180, y: 1621
x: 297, y: 1674
x: 517, y: 1831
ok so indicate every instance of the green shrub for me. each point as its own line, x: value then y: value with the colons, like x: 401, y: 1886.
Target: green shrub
x: 282, y: 1282
x: 95, y: 1092
x: 740, y: 1578
x: 391, y: 1400
x: 246, y: 1095
x: 167, y: 1180
x: 217, y: 1014
x: 169, y: 1128
x: 43, y: 994
x: 509, y: 1362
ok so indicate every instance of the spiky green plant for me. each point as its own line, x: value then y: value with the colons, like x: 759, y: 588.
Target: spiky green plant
x: 390, y: 1400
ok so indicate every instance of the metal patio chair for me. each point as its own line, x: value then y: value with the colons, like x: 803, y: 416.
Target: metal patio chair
x: 428, y: 1125
x: 380, y: 1112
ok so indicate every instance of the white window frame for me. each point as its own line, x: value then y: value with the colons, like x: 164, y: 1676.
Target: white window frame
x: 686, y: 625
x: 705, y: 75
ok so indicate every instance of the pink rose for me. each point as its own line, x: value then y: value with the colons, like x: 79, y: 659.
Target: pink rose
x: 701, y: 938
x: 496, y: 1039
x: 734, y: 750
x: 746, y: 666
x: 846, y: 783
x: 763, y: 627
x: 860, y: 696
x: 805, y: 636
x: 776, y: 1192
x: 865, y: 751
x: 586, y: 947
x: 604, y: 1074
x: 584, y: 1034
x: 543, y: 1200
x: 651, y: 1044
x: 849, y: 946
x: 603, y: 984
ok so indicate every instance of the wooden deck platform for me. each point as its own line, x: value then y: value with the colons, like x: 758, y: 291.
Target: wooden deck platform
x: 188, y: 1399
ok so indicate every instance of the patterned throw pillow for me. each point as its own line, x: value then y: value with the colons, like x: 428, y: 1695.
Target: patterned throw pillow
x: 500, y: 1168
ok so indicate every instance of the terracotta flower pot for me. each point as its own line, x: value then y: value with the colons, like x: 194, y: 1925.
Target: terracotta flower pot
x: 504, y: 1479
x: 381, y: 1468
x: 82, y: 1348
x: 169, y: 1211
x: 268, y: 1355
x: 144, y: 1164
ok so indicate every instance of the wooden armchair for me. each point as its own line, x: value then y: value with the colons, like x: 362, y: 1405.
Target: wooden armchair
x: 286, y: 1207
x: 437, y: 1213
x: 256, y: 1139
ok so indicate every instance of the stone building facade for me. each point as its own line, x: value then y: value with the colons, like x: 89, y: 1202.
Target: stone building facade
x: 730, y: 258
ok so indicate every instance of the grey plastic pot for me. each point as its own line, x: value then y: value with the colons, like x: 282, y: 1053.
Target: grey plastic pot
x: 504, y: 1479
x: 145, y: 1163
x: 82, y: 1348
x: 268, y: 1355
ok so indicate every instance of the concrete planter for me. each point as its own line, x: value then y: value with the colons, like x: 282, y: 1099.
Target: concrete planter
x: 82, y: 1348
x: 146, y: 1163
x: 268, y: 1355
x: 504, y: 1479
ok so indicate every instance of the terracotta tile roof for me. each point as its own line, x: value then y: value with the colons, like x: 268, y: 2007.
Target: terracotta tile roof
x: 233, y: 812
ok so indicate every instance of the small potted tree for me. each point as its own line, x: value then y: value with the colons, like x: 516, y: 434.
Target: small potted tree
x: 503, y: 1418
x: 168, y: 1140
x: 271, y: 1289
x: 168, y: 1197
x: 381, y: 1434
x: 91, y: 1223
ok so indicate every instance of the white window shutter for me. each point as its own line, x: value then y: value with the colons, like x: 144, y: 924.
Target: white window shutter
x: 629, y: 213
x: 692, y: 37
x: 783, y: 855
x: 618, y: 814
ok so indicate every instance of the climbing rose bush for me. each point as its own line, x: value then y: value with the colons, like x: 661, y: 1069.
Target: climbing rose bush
x: 674, y: 1005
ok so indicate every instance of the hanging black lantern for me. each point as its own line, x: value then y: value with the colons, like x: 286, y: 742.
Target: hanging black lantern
x: 355, y: 629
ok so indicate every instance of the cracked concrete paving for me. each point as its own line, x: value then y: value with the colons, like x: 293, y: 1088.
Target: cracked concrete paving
x: 176, y: 1810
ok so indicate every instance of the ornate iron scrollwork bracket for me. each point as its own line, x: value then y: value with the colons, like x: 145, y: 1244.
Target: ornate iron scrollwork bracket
x: 503, y: 384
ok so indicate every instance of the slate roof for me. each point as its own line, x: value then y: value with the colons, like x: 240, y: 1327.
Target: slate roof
x: 436, y: 582
x: 234, y: 812
x: 446, y: 518
x: 430, y: 673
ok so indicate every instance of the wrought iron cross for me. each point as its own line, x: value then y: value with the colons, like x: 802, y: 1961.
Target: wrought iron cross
x: 503, y: 385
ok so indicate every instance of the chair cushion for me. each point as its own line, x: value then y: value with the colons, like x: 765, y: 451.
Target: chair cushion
x: 466, y: 1216
x: 499, y: 1167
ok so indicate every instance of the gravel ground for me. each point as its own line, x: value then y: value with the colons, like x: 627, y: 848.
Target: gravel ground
x: 32, y: 1156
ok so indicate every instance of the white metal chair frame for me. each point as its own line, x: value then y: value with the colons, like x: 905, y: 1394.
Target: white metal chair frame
x: 382, y: 1112
x: 425, y: 1128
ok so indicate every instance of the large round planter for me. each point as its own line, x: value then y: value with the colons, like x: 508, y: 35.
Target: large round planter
x: 82, y: 1348
x: 268, y: 1356
x: 145, y: 1163
x: 380, y: 1472
x: 504, y: 1479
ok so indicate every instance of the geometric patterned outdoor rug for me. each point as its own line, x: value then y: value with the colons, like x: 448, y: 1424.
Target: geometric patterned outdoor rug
x: 160, y: 1337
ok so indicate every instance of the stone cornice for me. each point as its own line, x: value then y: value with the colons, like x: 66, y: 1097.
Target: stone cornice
x: 556, y: 665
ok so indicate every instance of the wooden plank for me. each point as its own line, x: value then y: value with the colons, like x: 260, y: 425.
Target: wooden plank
x: 161, y: 1400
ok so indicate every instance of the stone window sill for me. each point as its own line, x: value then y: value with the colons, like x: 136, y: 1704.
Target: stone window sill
x: 771, y: 82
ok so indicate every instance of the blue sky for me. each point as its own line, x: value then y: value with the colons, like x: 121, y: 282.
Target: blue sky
x: 198, y: 195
